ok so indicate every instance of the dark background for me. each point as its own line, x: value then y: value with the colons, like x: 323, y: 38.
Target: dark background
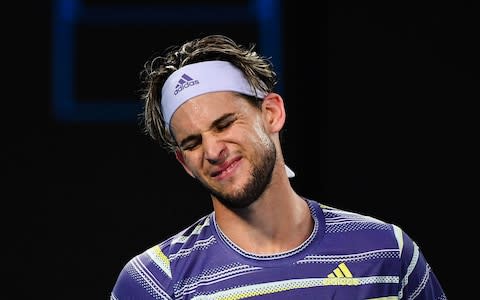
x: 379, y: 101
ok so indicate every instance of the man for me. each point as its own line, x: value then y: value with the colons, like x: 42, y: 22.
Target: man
x: 211, y: 103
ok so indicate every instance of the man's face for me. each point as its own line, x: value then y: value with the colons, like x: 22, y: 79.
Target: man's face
x: 223, y: 143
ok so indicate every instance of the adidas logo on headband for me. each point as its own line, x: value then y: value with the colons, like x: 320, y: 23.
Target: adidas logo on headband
x: 184, y: 82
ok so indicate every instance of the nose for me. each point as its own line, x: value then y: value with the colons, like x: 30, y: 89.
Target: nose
x: 215, y: 150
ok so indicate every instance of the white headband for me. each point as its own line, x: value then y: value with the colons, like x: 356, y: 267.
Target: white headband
x: 204, y: 77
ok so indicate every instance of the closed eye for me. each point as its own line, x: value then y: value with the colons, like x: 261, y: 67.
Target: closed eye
x: 192, y: 141
x: 224, y: 125
x: 224, y: 122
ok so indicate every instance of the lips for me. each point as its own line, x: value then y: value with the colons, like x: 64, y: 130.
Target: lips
x: 226, y: 168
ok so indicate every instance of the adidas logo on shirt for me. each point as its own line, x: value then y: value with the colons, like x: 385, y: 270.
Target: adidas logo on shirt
x: 341, y: 275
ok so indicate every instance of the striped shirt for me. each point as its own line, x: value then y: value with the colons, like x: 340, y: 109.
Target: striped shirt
x: 347, y: 256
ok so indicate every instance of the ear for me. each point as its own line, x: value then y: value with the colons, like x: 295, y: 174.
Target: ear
x: 273, y: 112
x: 181, y: 160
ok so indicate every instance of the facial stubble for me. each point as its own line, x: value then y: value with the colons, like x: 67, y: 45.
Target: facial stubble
x: 260, y: 178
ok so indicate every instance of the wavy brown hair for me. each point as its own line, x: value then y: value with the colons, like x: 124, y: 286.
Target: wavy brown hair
x: 258, y: 71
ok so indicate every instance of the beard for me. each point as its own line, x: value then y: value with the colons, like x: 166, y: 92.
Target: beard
x: 259, y: 180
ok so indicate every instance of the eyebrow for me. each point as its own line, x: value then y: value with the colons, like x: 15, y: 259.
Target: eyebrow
x: 215, y: 124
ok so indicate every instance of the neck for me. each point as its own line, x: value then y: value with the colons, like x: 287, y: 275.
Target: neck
x: 279, y: 221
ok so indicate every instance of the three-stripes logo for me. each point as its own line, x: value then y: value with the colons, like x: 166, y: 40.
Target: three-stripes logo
x: 184, y: 82
x: 341, y: 275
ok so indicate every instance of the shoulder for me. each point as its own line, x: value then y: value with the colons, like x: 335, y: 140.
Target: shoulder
x: 179, y: 245
x: 360, y: 231
x: 331, y: 213
x: 368, y: 227
x: 366, y: 237
x: 346, y: 221
x: 150, y: 272
x: 200, y: 230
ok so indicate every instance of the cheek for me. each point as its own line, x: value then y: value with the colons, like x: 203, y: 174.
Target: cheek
x: 192, y: 159
x: 262, y: 138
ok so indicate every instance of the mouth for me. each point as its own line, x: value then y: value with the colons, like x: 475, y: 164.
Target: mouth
x: 226, y: 169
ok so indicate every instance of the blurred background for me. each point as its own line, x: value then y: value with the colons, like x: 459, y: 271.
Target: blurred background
x: 379, y: 121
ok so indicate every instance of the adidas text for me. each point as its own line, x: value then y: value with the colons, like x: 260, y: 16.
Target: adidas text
x: 185, y: 85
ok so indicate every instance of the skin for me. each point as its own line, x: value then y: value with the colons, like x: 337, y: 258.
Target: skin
x: 233, y: 149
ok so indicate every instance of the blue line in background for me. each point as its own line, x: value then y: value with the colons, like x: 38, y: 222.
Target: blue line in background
x: 70, y: 13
